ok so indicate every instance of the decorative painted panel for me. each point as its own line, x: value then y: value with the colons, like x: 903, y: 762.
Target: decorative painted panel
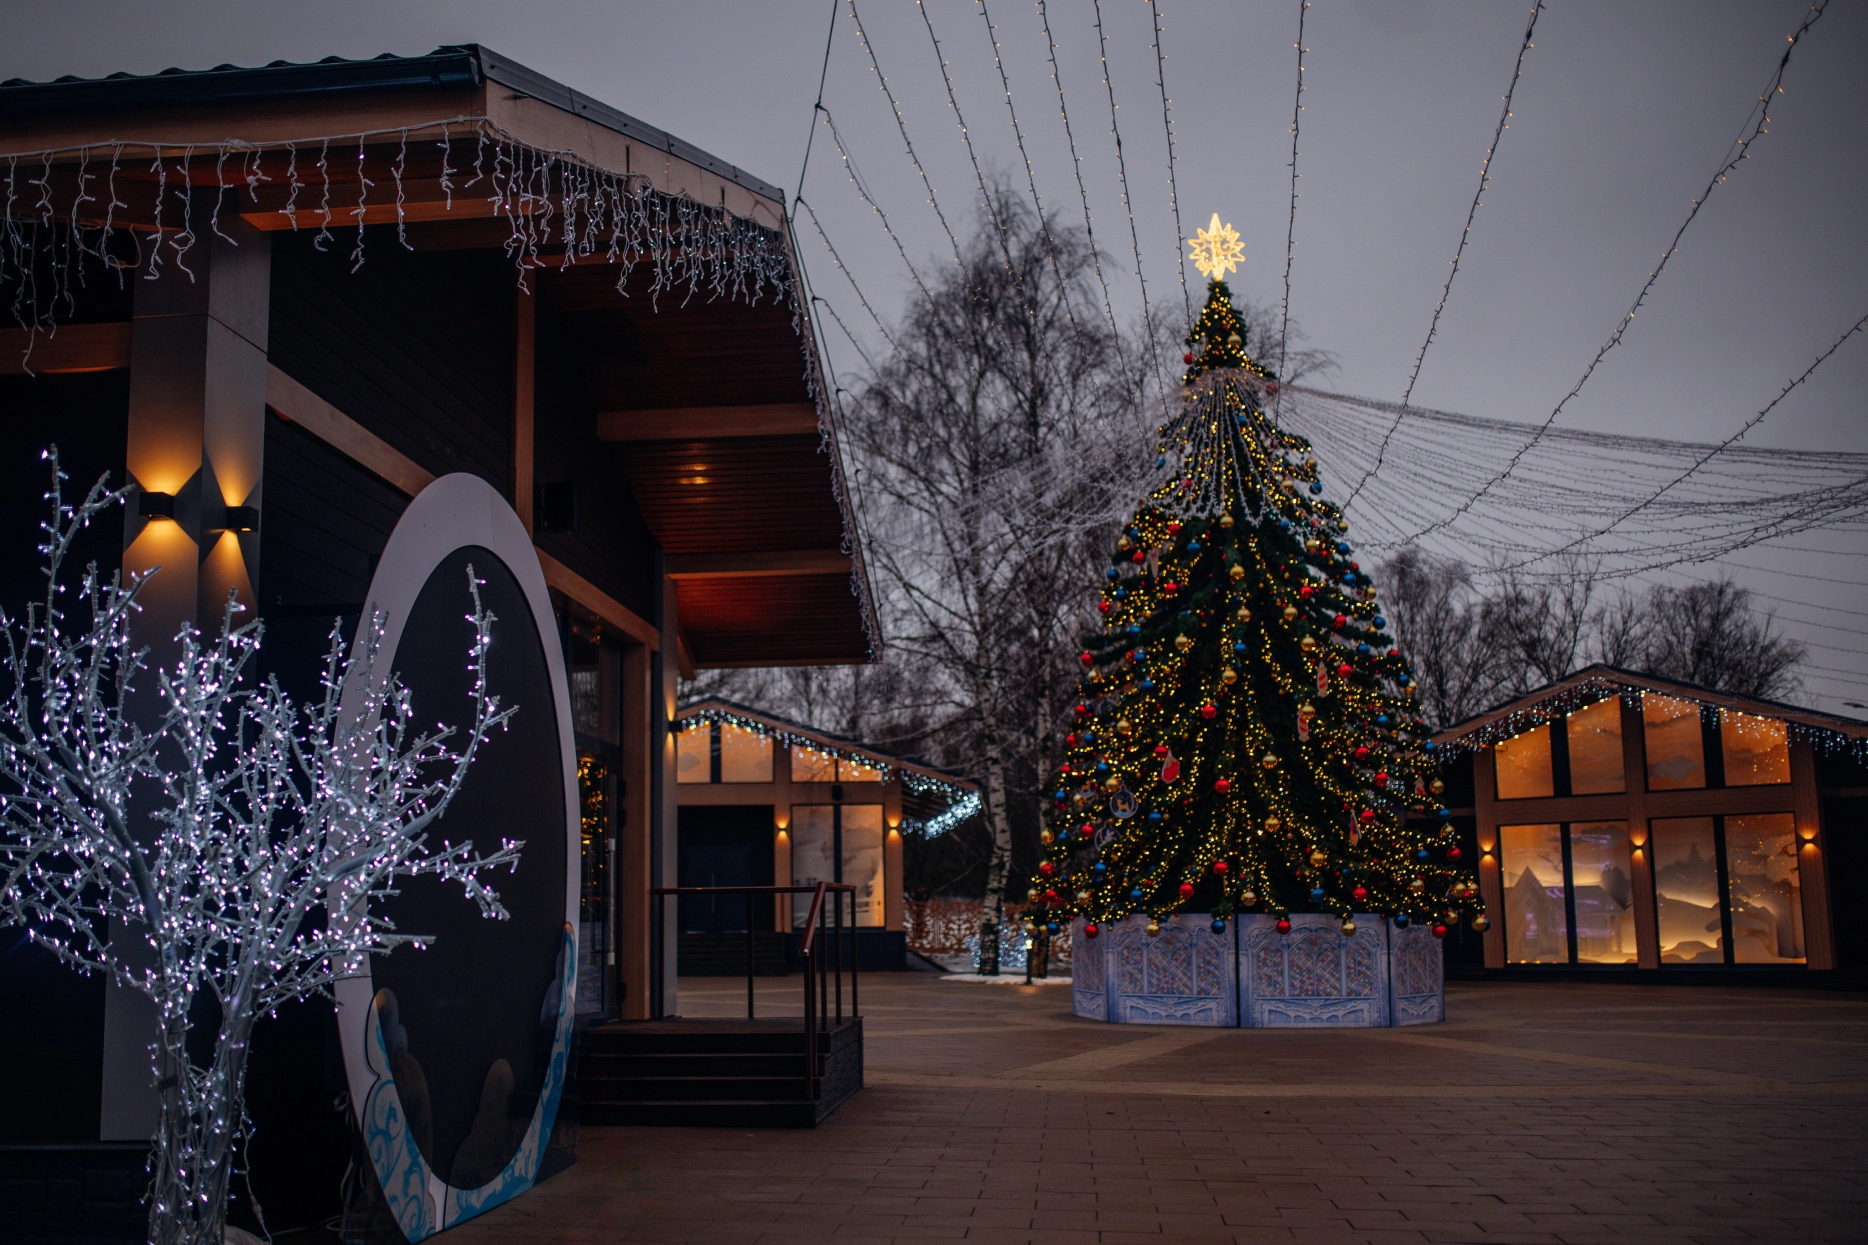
x: 1182, y: 977
x: 1418, y: 965
x: 1314, y: 976
x: 1089, y: 972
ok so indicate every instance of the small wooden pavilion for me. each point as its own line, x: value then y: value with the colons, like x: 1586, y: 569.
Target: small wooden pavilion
x: 1621, y: 823
x: 280, y: 303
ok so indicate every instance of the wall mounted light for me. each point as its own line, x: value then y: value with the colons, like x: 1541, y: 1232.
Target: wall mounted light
x: 241, y: 519
x: 156, y: 505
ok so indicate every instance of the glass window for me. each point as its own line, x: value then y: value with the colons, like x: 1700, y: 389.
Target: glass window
x: 1756, y: 750
x: 1767, y: 893
x: 856, y: 771
x: 862, y: 859
x: 1523, y: 763
x: 1676, y: 752
x: 1537, y: 929
x: 1602, y: 880
x: 811, y: 765
x: 745, y: 756
x: 1686, y: 890
x: 813, y: 853
x: 694, y: 752
x: 1595, y: 738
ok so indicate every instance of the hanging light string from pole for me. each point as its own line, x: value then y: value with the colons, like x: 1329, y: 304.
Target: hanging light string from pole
x: 1031, y: 178
x: 1076, y: 164
x: 1747, y: 135
x: 856, y: 179
x: 851, y: 277
x: 1708, y: 456
x: 1167, y: 120
x: 1290, y: 231
x: 1485, y: 173
x: 966, y: 137
x: 1122, y: 178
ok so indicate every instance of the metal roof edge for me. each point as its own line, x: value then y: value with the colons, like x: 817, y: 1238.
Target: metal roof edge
x: 772, y: 719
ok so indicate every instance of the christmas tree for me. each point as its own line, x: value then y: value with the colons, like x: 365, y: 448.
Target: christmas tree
x: 1246, y: 736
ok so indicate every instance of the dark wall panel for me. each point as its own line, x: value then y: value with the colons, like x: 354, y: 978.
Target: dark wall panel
x: 418, y: 348
x: 611, y: 547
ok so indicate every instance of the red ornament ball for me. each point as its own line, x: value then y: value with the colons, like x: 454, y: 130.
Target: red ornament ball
x: 1161, y: 750
x: 1104, y: 606
x: 1368, y: 815
x: 1070, y: 740
x: 1207, y: 711
x: 1222, y: 785
x: 1439, y: 930
x: 1174, y: 528
x: 1170, y: 587
x: 1362, y: 752
x: 1046, y: 868
x: 1220, y: 867
x: 1090, y: 930
x: 1381, y: 778
x: 1359, y: 893
x: 1345, y: 670
x: 1088, y: 830
x: 1140, y: 556
x: 1341, y: 620
x: 1306, y: 591
x: 1187, y: 358
x: 1186, y: 890
x: 1284, y: 925
x: 1053, y: 898
x: 1083, y: 710
x: 1453, y: 852
x: 1088, y: 659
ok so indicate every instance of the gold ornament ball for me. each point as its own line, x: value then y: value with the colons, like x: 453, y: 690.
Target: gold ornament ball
x: 1228, y: 676
x: 1436, y: 786
x: 1153, y: 930
x: 1083, y: 896
x: 1269, y: 761
x: 1031, y: 896
x: 1183, y: 642
x: 1124, y: 727
x: 1310, y: 464
x: 1249, y: 899
x: 1225, y: 521
x: 1123, y: 544
x: 1447, y: 831
x: 1290, y: 613
x: 1417, y: 886
x: 1479, y: 923
x: 1273, y: 825
x: 1307, y: 711
x: 1245, y: 615
x: 1112, y: 783
x: 1349, y: 927
x: 1234, y: 340
x: 1046, y: 837
x: 1308, y: 644
x: 1312, y: 544
x: 1319, y: 858
x: 1237, y: 572
x: 1031, y: 929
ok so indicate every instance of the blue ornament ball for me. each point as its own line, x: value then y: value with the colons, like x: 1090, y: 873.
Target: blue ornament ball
x: 1219, y: 925
x: 1400, y: 920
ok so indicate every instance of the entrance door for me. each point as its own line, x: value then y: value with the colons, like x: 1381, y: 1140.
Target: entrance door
x: 714, y: 864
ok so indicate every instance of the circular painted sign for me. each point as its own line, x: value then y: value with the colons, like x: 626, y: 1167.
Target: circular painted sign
x: 456, y: 1052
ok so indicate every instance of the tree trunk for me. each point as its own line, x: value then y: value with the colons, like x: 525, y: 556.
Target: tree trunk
x: 202, y: 1116
x: 1001, y: 861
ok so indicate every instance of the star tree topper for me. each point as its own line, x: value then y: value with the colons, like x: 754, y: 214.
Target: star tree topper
x: 1216, y: 249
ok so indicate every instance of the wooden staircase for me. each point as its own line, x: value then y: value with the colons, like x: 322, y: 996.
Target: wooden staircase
x: 716, y: 1073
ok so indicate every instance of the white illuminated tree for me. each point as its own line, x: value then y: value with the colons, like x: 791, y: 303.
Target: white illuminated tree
x: 214, y: 846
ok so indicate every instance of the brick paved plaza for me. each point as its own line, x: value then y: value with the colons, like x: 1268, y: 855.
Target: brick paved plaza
x: 1540, y: 1112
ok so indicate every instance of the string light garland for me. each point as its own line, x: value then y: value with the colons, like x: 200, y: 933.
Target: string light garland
x: 849, y: 166
x: 1122, y: 180
x: 1154, y: 12
x: 1465, y: 233
x: 1290, y: 230
x: 1076, y: 165
x: 1741, y: 152
x: 1246, y: 736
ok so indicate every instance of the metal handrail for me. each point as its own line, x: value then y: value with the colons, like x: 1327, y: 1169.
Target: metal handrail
x: 817, y: 970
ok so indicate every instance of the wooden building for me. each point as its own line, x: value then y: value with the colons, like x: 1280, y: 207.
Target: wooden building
x: 280, y: 303
x: 1623, y: 823
x: 765, y: 802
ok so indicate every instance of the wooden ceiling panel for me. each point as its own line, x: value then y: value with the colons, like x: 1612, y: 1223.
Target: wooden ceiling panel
x: 755, y: 493
x: 802, y: 619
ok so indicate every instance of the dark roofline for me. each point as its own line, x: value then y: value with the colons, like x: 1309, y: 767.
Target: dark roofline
x: 933, y: 771
x: 1635, y: 678
x: 447, y: 68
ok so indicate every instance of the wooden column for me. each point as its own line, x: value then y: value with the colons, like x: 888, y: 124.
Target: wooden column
x: 1819, y: 941
x: 524, y: 395
x: 781, y: 831
x: 665, y: 817
x: 197, y: 431
x: 1634, y: 783
x: 1491, y: 886
x: 893, y: 909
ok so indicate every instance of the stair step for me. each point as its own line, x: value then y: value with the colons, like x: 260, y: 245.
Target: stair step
x: 693, y: 1089
x: 706, y: 1063
x: 723, y: 1113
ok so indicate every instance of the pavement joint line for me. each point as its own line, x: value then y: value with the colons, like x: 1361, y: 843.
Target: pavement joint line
x: 1614, y: 1090
x: 1701, y: 1076
x: 1102, y: 1060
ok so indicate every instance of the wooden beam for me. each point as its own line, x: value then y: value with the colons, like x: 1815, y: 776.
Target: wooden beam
x: 73, y: 348
x: 1634, y: 783
x: 1491, y: 881
x: 748, y: 565
x: 684, y: 656
x: 295, y: 402
x: 708, y: 423
x: 1819, y: 943
x: 524, y: 396
x: 322, y: 420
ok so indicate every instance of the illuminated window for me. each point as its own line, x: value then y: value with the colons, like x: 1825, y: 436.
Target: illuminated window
x: 813, y: 852
x: 1676, y: 752
x: 811, y: 765
x: 862, y: 859
x: 694, y: 752
x: 1537, y: 924
x: 1523, y: 766
x: 856, y: 771
x: 838, y: 842
x: 745, y: 756
x: 1595, y: 739
x: 1766, y: 890
x: 1602, y: 882
x: 1756, y: 750
x: 1686, y: 890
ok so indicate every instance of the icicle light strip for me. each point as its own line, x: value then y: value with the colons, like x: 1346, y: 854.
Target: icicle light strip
x: 915, y: 781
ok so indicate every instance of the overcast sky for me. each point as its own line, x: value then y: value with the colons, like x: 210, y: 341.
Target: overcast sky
x: 1623, y: 113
